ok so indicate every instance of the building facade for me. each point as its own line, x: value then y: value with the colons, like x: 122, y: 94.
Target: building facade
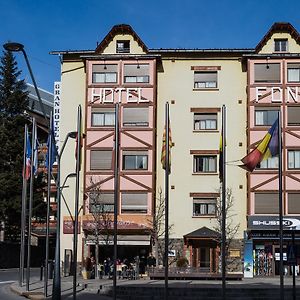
x: 251, y: 83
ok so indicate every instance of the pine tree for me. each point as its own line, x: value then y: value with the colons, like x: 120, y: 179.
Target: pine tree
x: 13, y: 104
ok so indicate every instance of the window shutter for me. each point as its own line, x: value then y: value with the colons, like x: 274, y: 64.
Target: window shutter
x: 103, y: 68
x: 133, y: 116
x: 294, y: 203
x: 136, y: 70
x: 101, y: 159
x: 136, y: 201
x: 293, y: 115
x: 267, y: 72
x: 266, y: 203
x: 205, y: 76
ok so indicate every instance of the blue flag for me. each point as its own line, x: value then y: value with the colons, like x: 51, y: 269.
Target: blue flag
x: 51, y: 147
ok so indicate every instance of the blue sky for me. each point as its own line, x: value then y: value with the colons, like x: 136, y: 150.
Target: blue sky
x: 46, y: 25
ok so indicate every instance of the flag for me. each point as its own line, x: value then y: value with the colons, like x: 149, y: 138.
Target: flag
x: 164, y: 150
x: 268, y: 147
x: 35, y: 153
x: 51, y: 147
x: 221, y: 159
x: 28, y: 157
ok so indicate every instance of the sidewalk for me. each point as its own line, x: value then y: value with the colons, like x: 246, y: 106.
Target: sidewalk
x: 96, y: 288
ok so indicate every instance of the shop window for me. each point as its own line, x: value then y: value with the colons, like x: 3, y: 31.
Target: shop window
x: 268, y: 72
x: 135, y: 116
x: 205, y: 164
x: 205, y: 121
x: 280, y: 45
x: 104, y: 73
x: 270, y: 163
x: 123, y: 46
x: 204, y: 207
x: 134, y: 203
x: 266, y: 203
x: 101, y: 202
x: 101, y: 160
x: 265, y: 116
x: 136, y: 73
x: 293, y: 159
x: 293, y: 203
x: 293, y: 72
x: 205, y: 80
x: 103, y: 117
x: 293, y: 115
x: 135, y: 160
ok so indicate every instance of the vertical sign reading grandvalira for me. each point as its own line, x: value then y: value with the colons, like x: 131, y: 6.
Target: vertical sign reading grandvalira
x: 56, y: 111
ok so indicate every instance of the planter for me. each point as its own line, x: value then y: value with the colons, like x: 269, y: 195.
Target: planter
x: 86, y: 274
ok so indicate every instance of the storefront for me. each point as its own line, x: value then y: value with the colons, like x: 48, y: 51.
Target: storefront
x: 263, y: 235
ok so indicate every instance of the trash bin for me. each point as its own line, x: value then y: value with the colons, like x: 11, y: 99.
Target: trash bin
x: 50, y: 269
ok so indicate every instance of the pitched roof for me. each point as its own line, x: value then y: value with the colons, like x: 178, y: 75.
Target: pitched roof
x: 279, y: 27
x: 120, y: 29
x: 202, y: 232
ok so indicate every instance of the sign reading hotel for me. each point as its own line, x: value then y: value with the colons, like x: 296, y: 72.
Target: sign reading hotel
x: 277, y: 94
x: 56, y: 111
x: 117, y: 95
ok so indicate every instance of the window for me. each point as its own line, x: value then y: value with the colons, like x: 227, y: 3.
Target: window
x: 265, y: 116
x: 293, y: 72
x: 103, y: 117
x: 205, y: 163
x: 101, y: 202
x: 104, y: 73
x: 101, y: 160
x: 267, y: 73
x: 293, y: 115
x: 123, y: 47
x: 135, y: 160
x: 205, y: 80
x: 270, y: 163
x: 294, y: 203
x: 266, y: 203
x: 133, y: 203
x: 136, y: 73
x: 135, y: 116
x: 293, y: 159
x: 280, y: 45
x: 203, y: 121
x: 204, y: 207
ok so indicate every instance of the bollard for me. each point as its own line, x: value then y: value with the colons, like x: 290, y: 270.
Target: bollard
x: 41, y: 272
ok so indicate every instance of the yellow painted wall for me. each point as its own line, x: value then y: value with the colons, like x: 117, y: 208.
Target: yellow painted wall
x: 176, y: 83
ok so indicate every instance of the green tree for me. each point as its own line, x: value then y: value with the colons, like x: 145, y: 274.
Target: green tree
x: 13, y: 117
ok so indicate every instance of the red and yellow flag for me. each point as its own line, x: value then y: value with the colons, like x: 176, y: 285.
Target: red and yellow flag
x: 164, y: 149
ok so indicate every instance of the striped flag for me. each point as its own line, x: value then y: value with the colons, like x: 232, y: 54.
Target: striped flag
x: 268, y: 147
x: 164, y: 149
x: 221, y: 159
x: 28, y: 157
x: 35, y: 153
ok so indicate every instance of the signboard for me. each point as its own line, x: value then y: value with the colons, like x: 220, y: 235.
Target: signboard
x: 56, y: 111
x: 248, y: 259
x: 272, y: 223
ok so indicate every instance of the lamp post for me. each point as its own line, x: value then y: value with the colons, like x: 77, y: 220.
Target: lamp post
x: 17, y: 47
x: 56, y: 292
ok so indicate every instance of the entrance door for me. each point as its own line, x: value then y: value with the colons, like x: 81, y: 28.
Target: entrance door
x: 204, y: 259
x: 277, y: 260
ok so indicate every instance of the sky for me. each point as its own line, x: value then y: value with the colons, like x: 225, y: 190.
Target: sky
x: 46, y: 25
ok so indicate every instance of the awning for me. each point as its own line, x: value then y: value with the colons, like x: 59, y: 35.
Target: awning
x: 132, y: 240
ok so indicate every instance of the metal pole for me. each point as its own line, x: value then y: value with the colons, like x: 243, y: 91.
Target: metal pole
x: 224, y: 203
x: 294, y: 265
x: 78, y: 162
x: 23, y: 212
x: 50, y: 141
x: 280, y: 207
x: 167, y: 202
x: 116, y: 199
x: 30, y: 209
x: 35, y: 85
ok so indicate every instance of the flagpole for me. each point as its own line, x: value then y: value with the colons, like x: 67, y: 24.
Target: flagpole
x: 224, y: 203
x: 50, y: 141
x: 167, y: 201
x: 23, y: 211
x: 116, y: 198
x: 280, y: 206
x: 78, y: 162
x: 30, y: 210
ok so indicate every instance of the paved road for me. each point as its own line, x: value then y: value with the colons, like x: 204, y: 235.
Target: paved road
x: 7, y: 277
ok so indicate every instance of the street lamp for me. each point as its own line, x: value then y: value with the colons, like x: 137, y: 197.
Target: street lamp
x: 17, y: 47
x: 56, y: 292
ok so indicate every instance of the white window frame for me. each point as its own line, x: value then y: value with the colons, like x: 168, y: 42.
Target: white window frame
x: 207, y: 123
x: 209, y: 164
x: 282, y: 43
x: 205, y: 207
x: 262, y: 118
x: 294, y: 159
x: 136, y: 157
x: 108, y: 118
x: 205, y: 84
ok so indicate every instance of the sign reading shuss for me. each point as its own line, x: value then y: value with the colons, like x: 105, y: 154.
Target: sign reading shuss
x: 272, y: 223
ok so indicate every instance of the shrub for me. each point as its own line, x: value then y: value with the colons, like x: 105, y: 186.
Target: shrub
x: 182, y: 262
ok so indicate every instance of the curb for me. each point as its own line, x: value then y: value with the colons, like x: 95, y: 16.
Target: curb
x: 30, y: 295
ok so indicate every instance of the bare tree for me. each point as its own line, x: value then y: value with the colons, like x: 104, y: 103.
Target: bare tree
x: 232, y: 227
x: 101, y: 211
x: 157, y: 231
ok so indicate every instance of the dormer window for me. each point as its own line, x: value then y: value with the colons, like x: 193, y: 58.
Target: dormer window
x: 280, y: 45
x: 123, y: 47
